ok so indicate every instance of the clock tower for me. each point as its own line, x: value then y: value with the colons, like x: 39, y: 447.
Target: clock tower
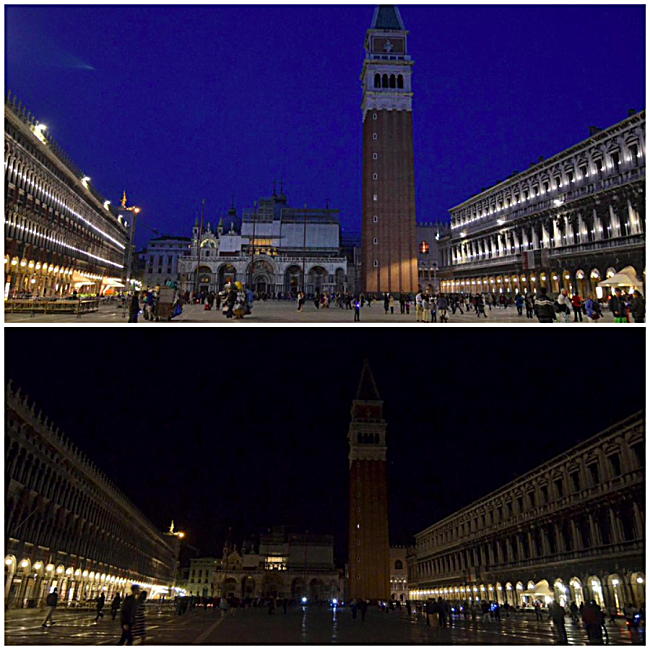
x: 388, y: 238
x: 369, y: 548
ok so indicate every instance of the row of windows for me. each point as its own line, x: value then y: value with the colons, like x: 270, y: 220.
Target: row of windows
x: 553, y: 182
x: 558, y: 488
x: 596, y: 529
x: 389, y: 81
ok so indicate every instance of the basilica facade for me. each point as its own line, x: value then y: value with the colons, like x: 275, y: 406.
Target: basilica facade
x: 276, y: 249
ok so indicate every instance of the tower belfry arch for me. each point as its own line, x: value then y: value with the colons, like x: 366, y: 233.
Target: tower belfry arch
x: 369, y: 548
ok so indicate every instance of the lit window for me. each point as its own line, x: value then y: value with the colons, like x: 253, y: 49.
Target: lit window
x: 374, y: 197
x: 424, y: 247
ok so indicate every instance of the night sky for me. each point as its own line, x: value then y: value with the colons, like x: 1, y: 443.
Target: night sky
x: 177, y: 104
x: 224, y: 430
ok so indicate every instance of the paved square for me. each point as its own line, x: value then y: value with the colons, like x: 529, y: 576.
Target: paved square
x: 312, y: 625
x: 274, y: 311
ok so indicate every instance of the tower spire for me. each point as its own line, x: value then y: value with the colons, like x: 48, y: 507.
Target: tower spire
x: 367, y: 389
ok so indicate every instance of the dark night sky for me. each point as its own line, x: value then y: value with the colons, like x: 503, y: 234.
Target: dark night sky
x: 181, y: 103
x: 221, y: 430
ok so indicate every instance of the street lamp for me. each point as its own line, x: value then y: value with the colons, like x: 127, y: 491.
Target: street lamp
x: 177, y: 535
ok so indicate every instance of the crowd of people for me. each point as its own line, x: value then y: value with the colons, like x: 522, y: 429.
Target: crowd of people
x: 236, y: 301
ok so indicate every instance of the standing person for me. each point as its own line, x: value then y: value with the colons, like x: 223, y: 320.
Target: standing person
x: 271, y: 605
x: 353, y: 609
x: 544, y: 307
x: 363, y: 606
x: 51, y: 603
x: 576, y: 301
x: 115, y: 605
x: 134, y: 307
x: 591, y: 309
x: 101, y: 601
x: 480, y: 306
x: 127, y: 616
x: 425, y: 308
x: 442, y: 308
x: 357, y: 311
x: 590, y: 618
x: 442, y: 612
x: 564, y: 302
x: 386, y: 303
x: 301, y: 300
x: 391, y: 303
x: 285, y: 602
x: 223, y: 606
x: 402, y: 303
x: 139, y: 631
x: 617, y: 306
x: 485, y: 612
x: 430, y: 609
x: 418, y: 306
x: 557, y: 614
x: 637, y: 308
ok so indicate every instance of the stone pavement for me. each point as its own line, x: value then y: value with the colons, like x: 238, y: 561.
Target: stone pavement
x: 311, y: 625
x: 282, y: 311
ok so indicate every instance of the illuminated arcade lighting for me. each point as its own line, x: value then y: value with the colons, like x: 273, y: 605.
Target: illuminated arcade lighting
x: 38, y: 566
x: 59, y: 570
x: 84, y: 181
x: 49, y: 567
x: 24, y: 564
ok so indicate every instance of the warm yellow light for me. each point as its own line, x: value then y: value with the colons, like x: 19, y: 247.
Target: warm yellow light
x: 9, y: 561
x: 14, y: 261
x: 38, y: 566
x: 181, y: 534
x: 85, y: 574
x: 59, y: 570
x: 68, y: 571
x: 49, y: 567
x: 24, y: 564
x: 136, y: 210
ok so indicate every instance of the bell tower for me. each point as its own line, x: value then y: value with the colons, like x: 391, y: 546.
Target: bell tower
x: 389, y: 251
x: 369, y: 548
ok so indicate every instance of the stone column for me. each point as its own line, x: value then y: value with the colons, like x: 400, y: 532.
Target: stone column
x: 614, y: 526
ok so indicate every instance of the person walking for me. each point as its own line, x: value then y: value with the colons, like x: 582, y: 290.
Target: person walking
x: 480, y: 306
x: 617, y: 306
x: 637, y: 308
x: 591, y: 309
x: 591, y: 619
x: 301, y: 300
x: 139, y: 631
x: 485, y: 612
x: 223, y: 606
x: 565, y: 306
x: 442, y: 612
x: 442, y: 308
x: 391, y: 303
x: 357, y: 311
x: 407, y: 305
x: 544, y: 307
x: 51, y: 603
x: 353, y: 609
x: 127, y: 616
x: 530, y: 306
x: 101, y: 601
x: 557, y: 615
x: 425, y: 308
x: 418, y: 307
x: 576, y: 301
x: 386, y: 303
x: 519, y: 303
x: 134, y: 307
x: 271, y: 605
x: 115, y: 605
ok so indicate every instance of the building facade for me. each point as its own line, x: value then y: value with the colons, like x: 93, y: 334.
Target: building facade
x: 67, y: 524
x: 389, y: 254
x: 60, y: 233
x: 161, y: 259
x: 428, y: 234
x: 278, y: 249
x: 369, y: 548
x: 567, y: 222
x: 570, y: 530
x: 398, y: 574
x: 282, y: 565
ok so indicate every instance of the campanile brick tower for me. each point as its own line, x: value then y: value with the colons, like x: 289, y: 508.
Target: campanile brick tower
x: 388, y: 237
x: 369, y: 550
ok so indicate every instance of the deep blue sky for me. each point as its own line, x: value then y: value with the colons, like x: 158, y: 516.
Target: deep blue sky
x: 181, y: 103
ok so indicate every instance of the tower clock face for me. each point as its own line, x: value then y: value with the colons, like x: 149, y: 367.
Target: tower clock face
x: 383, y: 45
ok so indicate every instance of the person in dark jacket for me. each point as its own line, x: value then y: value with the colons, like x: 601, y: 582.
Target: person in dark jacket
x: 115, y: 605
x: 617, y: 306
x: 544, y: 307
x: 134, y: 307
x: 557, y: 614
x: 139, y: 631
x: 51, y: 602
x: 127, y: 616
x: 363, y: 608
x: 100, y: 605
x: 637, y: 308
